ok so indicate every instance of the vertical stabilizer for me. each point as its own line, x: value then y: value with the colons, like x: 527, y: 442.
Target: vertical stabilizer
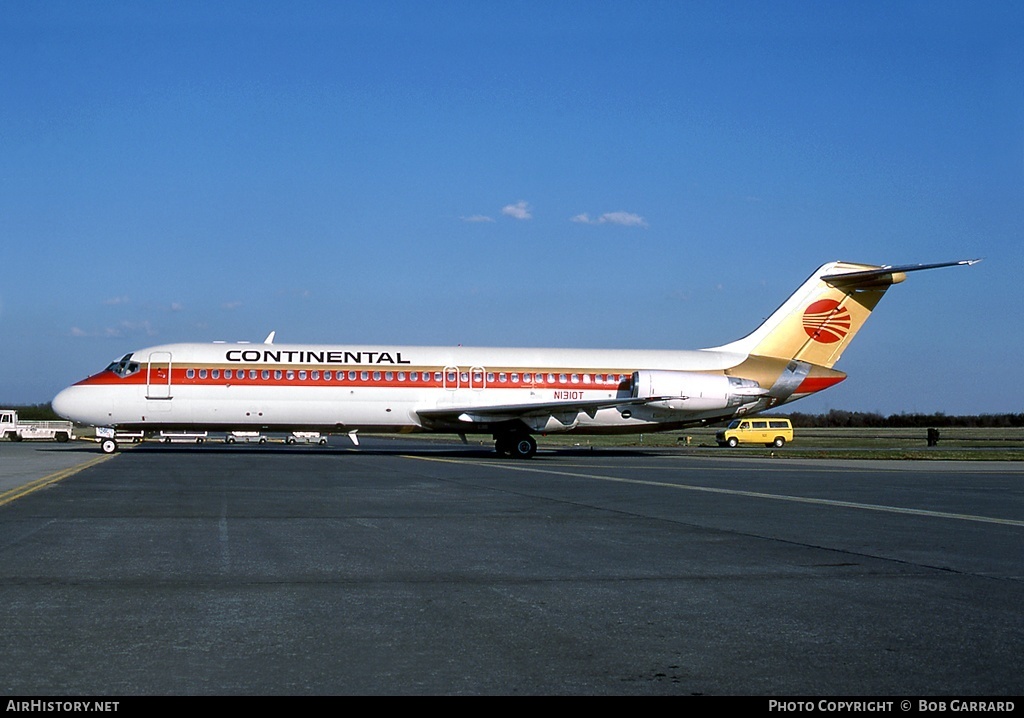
x: 820, y: 319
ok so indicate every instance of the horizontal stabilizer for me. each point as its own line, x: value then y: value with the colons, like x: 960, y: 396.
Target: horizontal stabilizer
x: 887, y: 272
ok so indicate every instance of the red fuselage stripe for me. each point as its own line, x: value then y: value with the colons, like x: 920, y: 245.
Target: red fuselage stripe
x: 262, y: 376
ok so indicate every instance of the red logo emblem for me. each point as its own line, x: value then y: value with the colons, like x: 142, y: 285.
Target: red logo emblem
x: 826, y: 322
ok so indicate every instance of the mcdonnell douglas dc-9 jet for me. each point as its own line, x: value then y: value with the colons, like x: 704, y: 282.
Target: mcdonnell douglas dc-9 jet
x: 511, y: 394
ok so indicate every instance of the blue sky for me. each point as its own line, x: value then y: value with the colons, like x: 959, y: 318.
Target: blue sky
x: 593, y: 174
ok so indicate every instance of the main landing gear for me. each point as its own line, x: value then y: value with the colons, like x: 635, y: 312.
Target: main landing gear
x: 518, y: 446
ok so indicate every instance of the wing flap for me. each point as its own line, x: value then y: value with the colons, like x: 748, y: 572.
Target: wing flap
x: 510, y: 412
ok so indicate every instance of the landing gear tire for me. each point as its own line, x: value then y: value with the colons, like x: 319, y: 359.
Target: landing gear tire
x: 517, y: 446
x: 524, y: 447
x: 108, y: 446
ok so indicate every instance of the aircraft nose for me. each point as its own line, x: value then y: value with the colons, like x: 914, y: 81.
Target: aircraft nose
x: 64, y: 404
x: 76, y: 404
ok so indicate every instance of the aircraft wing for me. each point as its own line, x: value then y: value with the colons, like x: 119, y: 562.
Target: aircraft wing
x: 538, y: 410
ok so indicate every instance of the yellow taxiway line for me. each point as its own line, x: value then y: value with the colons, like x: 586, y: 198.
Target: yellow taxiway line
x: 10, y: 495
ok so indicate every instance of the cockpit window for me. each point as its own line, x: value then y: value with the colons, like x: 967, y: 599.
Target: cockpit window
x: 124, y: 367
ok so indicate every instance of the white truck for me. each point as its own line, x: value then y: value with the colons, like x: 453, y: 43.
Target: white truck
x: 12, y: 429
x: 183, y: 437
x: 306, y: 437
x: 245, y: 436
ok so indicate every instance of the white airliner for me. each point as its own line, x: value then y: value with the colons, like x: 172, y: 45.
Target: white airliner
x: 508, y: 393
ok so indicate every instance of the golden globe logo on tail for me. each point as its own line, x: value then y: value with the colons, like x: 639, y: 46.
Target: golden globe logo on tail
x: 826, y: 321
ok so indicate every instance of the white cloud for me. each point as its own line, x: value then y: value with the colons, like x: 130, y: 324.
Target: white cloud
x: 230, y: 305
x: 624, y: 219
x: 519, y: 210
x: 116, y: 301
x: 477, y: 218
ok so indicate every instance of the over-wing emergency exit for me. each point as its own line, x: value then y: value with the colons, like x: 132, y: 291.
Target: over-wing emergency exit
x: 509, y: 393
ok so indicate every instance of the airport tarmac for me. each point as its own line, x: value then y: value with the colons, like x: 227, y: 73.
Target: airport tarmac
x: 416, y: 567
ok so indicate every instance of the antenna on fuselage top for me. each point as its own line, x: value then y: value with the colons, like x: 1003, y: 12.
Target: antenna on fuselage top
x: 270, y: 338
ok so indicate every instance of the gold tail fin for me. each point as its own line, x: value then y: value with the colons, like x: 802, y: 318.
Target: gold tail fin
x: 820, y: 319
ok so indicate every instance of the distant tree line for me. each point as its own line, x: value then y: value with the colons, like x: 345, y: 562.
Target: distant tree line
x: 34, y: 412
x: 834, y: 418
x: 866, y: 419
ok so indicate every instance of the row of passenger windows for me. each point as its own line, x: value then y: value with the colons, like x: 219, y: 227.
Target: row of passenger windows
x: 464, y: 378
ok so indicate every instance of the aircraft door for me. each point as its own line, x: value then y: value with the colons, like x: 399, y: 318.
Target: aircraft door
x: 158, y: 376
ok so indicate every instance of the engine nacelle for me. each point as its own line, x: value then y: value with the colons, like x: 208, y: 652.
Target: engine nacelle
x: 692, y: 391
